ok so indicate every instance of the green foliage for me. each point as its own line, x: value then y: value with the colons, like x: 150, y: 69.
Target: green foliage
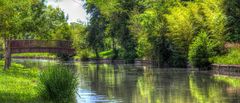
x: 96, y: 29
x: 79, y: 38
x: 181, y: 33
x: 161, y: 30
x: 119, y: 29
x: 232, y: 10
x: 32, y: 19
x: 202, y: 49
x: 187, y: 19
x: 49, y: 23
x: 58, y: 83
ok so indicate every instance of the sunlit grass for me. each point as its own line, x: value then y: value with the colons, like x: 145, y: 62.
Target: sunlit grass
x: 19, y: 84
x: 34, y: 55
x: 232, y: 57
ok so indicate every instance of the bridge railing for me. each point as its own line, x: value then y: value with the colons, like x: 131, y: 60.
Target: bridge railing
x: 39, y: 43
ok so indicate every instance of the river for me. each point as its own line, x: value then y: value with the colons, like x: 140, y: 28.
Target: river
x: 128, y: 83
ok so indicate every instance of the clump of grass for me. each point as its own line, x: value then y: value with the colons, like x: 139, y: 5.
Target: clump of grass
x: 58, y: 84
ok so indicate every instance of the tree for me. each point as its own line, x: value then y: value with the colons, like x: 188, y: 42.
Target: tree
x: 232, y: 11
x: 96, y: 28
x: 120, y: 29
x: 32, y: 19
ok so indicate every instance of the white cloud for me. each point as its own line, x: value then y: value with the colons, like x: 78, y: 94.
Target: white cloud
x: 73, y: 8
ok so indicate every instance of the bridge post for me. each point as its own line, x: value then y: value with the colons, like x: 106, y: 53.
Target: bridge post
x: 7, y: 55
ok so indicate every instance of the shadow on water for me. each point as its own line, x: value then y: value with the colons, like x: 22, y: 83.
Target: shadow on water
x: 109, y: 83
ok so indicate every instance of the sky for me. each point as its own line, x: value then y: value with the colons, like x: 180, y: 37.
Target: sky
x: 73, y: 8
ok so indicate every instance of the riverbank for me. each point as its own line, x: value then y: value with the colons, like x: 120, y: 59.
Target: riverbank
x: 229, y: 58
x: 100, y: 61
x: 219, y: 69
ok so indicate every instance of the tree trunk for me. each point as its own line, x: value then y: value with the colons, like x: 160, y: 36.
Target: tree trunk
x: 7, y: 55
x: 97, y: 54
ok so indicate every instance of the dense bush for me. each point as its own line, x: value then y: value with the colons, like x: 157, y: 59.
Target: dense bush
x: 58, y: 83
x: 202, y: 49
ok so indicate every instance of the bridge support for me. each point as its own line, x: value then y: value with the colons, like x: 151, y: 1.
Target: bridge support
x: 7, y: 55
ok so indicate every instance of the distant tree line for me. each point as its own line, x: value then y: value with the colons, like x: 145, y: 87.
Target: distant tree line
x: 172, y: 32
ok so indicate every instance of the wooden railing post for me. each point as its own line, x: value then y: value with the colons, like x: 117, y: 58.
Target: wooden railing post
x: 7, y: 55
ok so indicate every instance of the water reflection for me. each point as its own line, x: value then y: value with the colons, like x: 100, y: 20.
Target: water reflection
x: 102, y: 83
x: 120, y: 83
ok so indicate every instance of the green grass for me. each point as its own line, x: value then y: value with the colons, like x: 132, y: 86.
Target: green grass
x: 89, y: 54
x: 232, y: 81
x: 34, y: 55
x: 231, y: 58
x: 19, y: 84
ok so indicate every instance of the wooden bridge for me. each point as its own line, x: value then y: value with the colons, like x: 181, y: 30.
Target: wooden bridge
x: 41, y: 46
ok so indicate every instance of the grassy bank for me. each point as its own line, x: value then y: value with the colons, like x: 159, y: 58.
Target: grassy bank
x: 49, y: 55
x: 231, y: 58
x: 53, y: 84
x: 19, y: 85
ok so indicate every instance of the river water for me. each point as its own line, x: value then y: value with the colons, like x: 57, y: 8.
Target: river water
x: 128, y: 83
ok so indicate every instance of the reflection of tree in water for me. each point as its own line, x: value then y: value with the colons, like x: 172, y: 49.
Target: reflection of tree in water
x: 109, y: 80
x: 145, y: 87
x: 152, y: 85
x: 162, y: 86
x: 206, y: 89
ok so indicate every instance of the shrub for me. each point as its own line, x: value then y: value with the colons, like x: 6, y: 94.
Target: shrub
x: 58, y: 84
x: 202, y: 49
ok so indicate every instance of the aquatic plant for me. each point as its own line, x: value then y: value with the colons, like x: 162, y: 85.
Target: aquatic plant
x: 58, y: 84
